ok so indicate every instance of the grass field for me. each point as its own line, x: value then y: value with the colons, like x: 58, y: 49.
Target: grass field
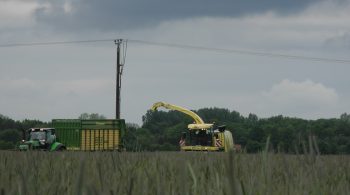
x: 172, y: 173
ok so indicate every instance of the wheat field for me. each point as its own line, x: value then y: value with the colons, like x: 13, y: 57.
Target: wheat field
x: 172, y: 173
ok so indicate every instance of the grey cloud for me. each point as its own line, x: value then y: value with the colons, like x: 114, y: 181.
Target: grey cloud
x: 110, y: 15
x: 341, y: 41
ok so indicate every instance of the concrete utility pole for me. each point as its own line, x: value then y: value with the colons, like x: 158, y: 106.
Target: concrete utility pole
x: 118, y: 42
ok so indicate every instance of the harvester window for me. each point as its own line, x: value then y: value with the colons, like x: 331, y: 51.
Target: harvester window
x: 200, y: 137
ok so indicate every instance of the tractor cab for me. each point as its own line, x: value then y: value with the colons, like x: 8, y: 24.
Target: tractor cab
x: 40, y: 139
x: 45, y: 136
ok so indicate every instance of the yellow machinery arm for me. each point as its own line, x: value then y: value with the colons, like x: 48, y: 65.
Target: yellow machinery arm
x: 199, y: 123
x: 196, y: 118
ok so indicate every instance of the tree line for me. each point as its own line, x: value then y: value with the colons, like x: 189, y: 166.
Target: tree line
x: 160, y: 131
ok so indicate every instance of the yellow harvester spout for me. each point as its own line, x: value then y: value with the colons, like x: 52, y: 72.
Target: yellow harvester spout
x: 195, y: 117
x: 199, y: 123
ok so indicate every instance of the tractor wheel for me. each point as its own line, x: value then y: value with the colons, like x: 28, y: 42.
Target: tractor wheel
x: 62, y: 148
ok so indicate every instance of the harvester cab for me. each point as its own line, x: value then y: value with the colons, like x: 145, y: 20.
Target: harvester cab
x: 40, y: 139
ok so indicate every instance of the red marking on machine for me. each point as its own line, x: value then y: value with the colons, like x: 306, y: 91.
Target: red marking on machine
x: 218, y: 143
x: 182, y: 142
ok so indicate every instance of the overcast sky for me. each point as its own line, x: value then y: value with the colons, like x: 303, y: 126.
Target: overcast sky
x: 63, y: 81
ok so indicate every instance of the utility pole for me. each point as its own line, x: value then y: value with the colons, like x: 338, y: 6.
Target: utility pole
x: 118, y: 42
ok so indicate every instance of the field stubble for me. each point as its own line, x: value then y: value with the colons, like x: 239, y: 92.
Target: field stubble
x: 172, y: 173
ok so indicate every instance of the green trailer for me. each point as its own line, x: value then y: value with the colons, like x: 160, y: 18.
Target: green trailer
x: 90, y: 135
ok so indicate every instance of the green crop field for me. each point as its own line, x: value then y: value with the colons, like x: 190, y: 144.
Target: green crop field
x: 172, y: 173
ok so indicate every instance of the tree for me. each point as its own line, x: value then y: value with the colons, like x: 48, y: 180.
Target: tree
x: 10, y: 135
x: 130, y: 139
x: 6, y: 122
x: 9, y: 138
x: 253, y: 118
x: 4, y: 145
x: 87, y: 116
x: 345, y: 117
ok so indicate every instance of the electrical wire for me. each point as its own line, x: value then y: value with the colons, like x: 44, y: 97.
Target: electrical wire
x: 54, y: 43
x: 256, y: 53
x: 182, y: 46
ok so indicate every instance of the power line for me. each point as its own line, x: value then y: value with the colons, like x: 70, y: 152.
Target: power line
x: 54, y: 43
x: 183, y: 46
x: 256, y: 53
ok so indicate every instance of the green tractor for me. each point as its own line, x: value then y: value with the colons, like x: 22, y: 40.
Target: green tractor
x: 41, y: 139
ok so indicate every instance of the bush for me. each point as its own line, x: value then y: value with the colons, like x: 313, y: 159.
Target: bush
x: 10, y: 135
x: 4, y: 145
